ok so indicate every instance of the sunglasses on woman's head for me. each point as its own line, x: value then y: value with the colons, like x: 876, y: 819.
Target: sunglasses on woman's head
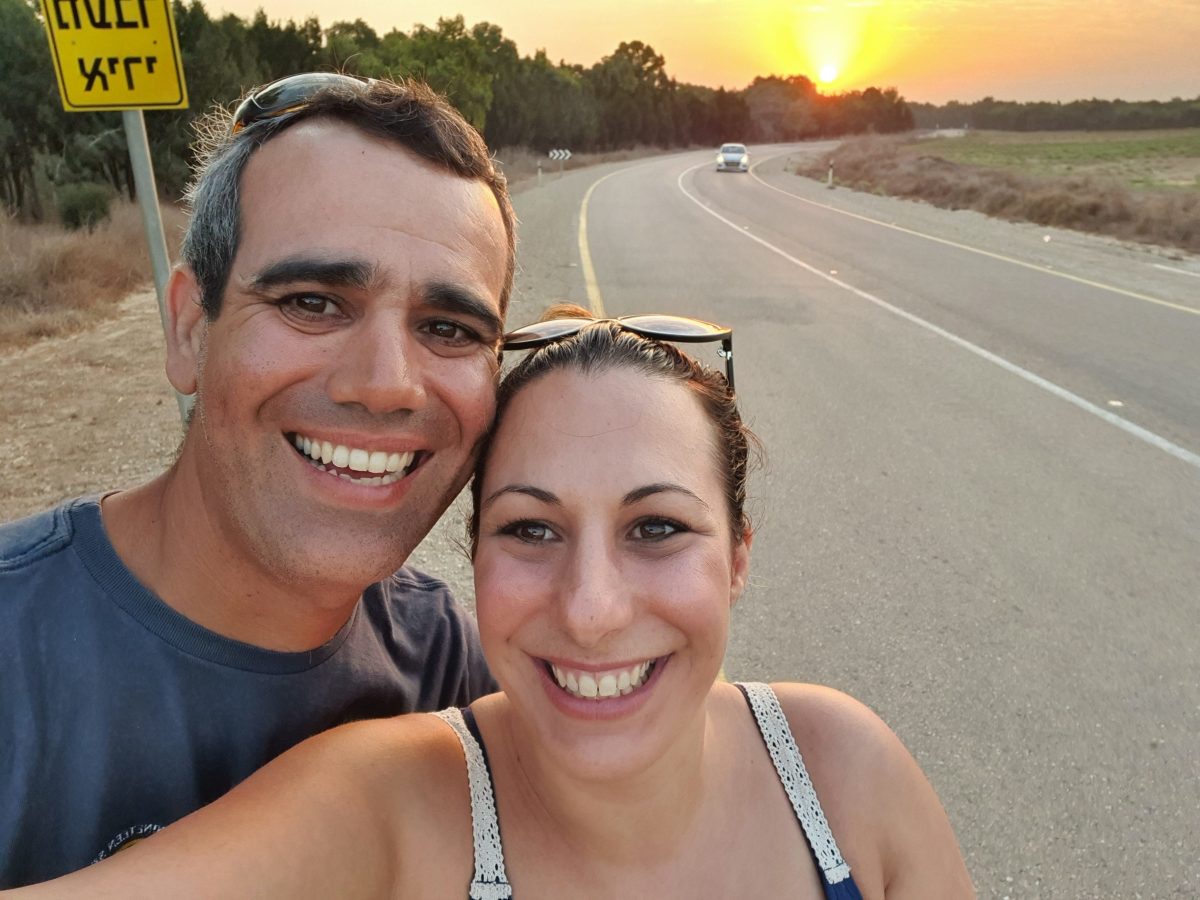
x: 677, y: 329
x: 288, y: 95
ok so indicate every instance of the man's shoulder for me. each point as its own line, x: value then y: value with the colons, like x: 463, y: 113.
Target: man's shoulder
x: 27, y: 541
x: 409, y: 594
x: 407, y: 580
x: 416, y: 616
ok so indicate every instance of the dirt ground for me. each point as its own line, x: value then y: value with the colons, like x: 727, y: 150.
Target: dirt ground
x: 107, y: 381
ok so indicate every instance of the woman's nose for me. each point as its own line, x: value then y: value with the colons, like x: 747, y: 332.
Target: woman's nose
x: 596, y: 601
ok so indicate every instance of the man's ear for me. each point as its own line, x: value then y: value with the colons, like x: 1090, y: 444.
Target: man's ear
x: 741, y: 566
x: 184, y: 329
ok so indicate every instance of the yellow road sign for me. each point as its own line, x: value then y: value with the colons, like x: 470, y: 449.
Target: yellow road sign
x: 115, y: 54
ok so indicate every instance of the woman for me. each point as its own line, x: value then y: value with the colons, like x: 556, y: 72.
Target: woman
x: 609, y: 543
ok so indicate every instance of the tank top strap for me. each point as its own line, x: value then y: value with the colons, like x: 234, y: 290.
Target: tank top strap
x: 490, y: 882
x: 789, y: 765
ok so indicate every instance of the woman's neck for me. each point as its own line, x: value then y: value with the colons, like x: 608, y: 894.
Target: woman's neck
x: 635, y: 820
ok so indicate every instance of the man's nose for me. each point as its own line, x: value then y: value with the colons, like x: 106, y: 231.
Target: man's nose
x: 596, y: 602
x: 379, y: 369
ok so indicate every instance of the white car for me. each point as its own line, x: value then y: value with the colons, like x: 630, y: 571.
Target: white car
x: 733, y: 158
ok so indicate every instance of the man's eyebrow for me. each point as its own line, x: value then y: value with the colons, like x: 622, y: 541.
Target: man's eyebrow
x: 356, y: 273
x: 452, y: 298
x: 658, y: 488
x: 528, y: 489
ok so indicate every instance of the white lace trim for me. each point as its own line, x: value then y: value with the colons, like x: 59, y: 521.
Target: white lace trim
x: 490, y: 881
x: 790, y: 766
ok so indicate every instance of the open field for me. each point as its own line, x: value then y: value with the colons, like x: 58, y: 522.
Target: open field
x: 1140, y: 186
x: 54, y: 281
x: 1138, y: 159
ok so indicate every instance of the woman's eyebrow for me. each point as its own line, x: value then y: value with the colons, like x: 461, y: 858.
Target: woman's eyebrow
x: 526, y: 489
x: 658, y: 488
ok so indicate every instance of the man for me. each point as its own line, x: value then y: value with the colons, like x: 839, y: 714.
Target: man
x: 337, y: 315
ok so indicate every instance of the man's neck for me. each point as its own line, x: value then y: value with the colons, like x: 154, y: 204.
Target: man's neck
x: 162, y: 532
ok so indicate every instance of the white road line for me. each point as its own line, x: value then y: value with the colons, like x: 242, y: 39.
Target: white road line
x: 1175, y: 270
x: 1062, y: 393
x: 1146, y: 298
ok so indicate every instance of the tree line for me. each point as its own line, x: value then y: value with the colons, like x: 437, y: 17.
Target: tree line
x: 1077, y: 115
x: 626, y: 99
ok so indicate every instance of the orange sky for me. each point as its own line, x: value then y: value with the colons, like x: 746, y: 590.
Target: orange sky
x: 931, y: 50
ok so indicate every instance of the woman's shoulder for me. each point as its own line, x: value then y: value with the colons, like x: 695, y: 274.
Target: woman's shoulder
x: 415, y: 756
x: 851, y: 755
x: 827, y: 721
x: 411, y: 773
x: 881, y: 808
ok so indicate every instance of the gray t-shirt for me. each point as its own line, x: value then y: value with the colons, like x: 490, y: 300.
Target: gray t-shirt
x: 118, y: 715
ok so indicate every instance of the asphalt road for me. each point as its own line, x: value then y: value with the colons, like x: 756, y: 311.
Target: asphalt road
x: 980, y: 510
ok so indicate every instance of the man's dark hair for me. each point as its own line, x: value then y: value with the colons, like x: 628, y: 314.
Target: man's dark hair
x: 409, y: 113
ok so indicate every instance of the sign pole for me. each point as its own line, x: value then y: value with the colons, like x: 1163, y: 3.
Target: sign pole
x: 147, y: 193
x: 126, y: 58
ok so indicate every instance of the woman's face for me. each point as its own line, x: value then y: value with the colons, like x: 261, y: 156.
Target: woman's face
x: 605, y: 567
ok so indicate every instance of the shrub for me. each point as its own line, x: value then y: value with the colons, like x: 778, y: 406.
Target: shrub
x: 83, y: 205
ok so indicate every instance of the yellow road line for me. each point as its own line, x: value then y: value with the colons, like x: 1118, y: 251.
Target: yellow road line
x: 595, y: 300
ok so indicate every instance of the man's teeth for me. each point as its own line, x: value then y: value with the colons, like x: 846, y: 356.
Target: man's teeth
x: 601, y: 685
x: 390, y: 467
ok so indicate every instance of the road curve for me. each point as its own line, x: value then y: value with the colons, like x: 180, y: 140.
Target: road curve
x: 965, y: 520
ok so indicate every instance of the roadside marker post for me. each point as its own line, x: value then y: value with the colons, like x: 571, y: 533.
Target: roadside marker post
x: 112, y: 55
x: 562, y: 156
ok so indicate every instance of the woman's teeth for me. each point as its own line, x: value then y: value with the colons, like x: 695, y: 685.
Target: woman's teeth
x: 389, y: 467
x: 601, y: 685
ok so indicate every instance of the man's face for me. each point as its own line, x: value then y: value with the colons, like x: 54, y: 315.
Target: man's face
x: 344, y: 386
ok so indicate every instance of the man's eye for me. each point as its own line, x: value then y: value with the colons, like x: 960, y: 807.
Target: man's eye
x: 451, y: 332
x: 312, y: 306
x: 529, y: 532
x: 655, y: 529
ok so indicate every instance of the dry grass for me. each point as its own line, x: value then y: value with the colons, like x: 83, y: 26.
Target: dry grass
x: 896, y: 167
x: 54, y: 281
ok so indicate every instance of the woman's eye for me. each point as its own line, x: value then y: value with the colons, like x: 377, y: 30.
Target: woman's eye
x: 529, y: 532
x: 655, y: 529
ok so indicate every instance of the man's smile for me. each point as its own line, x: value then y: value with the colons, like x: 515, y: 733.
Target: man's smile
x: 362, y: 466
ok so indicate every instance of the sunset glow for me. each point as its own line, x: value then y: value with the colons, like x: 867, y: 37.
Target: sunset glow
x: 930, y: 50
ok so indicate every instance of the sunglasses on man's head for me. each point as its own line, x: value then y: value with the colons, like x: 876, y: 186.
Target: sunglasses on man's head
x: 288, y: 95
x: 677, y: 329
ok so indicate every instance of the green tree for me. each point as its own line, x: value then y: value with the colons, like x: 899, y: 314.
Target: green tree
x: 634, y: 94
x: 29, y: 103
x: 283, y: 50
x: 450, y: 59
x: 353, y: 47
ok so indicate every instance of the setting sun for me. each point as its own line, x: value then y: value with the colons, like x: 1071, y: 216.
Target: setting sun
x: 841, y: 40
